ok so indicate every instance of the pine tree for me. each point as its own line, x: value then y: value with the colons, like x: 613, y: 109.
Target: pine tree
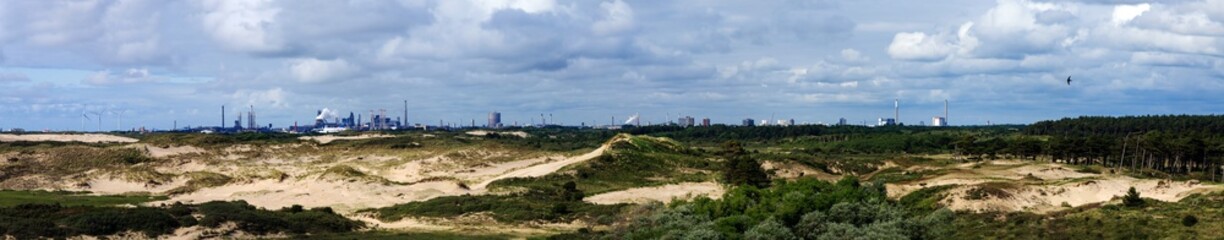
x: 1132, y: 198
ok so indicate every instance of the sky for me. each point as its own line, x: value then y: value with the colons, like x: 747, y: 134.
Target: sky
x: 155, y: 64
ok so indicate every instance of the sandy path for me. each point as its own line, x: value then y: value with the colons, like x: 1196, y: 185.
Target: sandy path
x: 88, y: 138
x: 665, y: 193
x: 342, y: 196
x: 545, y: 168
x: 324, y: 139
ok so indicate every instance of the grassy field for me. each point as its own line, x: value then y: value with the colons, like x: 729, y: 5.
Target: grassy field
x: 10, y: 198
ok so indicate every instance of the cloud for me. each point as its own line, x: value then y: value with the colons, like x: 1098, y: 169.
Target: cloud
x: 131, y: 76
x: 1123, y: 14
x: 8, y: 77
x: 275, y: 97
x: 243, y: 25
x: 853, y: 56
x: 726, y: 59
x: 618, y: 17
x: 918, y: 46
x: 312, y: 70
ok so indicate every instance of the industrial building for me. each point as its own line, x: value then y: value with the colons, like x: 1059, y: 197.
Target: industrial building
x: 687, y: 121
x: 941, y: 121
x: 748, y: 122
x: 886, y: 122
x: 495, y: 120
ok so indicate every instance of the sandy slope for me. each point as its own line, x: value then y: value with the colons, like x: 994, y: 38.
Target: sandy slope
x: 1041, y: 187
x: 159, y: 152
x: 88, y: 138
x: 1046, y: 198
x: 790, y: 170
x: 545, y: 168
x: 342, y: 196
x: 664, y: 193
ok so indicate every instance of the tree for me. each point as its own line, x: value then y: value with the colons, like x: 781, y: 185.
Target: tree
x: 1132, y: 198
x: 742, y: 170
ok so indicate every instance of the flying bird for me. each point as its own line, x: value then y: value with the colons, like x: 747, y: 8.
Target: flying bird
x: 1068, y: 80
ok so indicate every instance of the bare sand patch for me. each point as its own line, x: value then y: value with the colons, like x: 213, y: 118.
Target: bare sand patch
x: 791, y: 170
x: 545, y: 168
x: 1046, y: 198
x: 324, y: 139
x: 343, y: 196
x: 113, y: 186
x: 86, y: 138
x: 665, y: 193
x: 1040, y: 187
x: 160, y: 152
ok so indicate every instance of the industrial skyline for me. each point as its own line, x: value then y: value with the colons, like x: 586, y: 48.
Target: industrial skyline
x: 159, y: 64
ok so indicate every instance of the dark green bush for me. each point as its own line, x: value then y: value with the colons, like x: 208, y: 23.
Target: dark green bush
x: 27, y: 221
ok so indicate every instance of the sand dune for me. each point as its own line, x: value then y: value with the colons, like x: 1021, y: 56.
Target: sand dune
x: 1041, y: 187
x: 545, y: 168
x: 665, y: 193
x: 87, y: 138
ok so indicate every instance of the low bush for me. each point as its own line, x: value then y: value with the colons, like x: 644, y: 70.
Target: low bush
x: 27, y: 221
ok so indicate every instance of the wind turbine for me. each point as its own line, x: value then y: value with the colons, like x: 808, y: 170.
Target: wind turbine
x: 99, y: 115
x: 86, y: 117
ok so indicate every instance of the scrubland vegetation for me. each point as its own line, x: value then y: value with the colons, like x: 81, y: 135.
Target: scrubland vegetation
x: 881, y: 194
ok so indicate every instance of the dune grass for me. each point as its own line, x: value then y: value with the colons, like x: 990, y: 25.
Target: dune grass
x: 9, y: 198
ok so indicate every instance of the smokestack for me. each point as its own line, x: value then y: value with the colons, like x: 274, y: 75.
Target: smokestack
x: 897, y: 111
x: 945, y: 112
x: 222, y: 116
x: 405, y: 121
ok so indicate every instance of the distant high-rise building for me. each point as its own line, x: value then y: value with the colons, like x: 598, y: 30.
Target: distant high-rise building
x: 841, y: 121
x: 705, y: 122
x: 686, y: 121
x: 251, y: 118
x: 939, y: 121
x: 495, y: 120
x: 748, y: 122
x: 887, y: 122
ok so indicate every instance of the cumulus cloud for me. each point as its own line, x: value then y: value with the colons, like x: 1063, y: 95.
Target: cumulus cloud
x: 618, y: 17
x: 313, y: 70
x: 242, y: 25
x: 123, y: 32
x: 726, y: 59
x: 919, y: 46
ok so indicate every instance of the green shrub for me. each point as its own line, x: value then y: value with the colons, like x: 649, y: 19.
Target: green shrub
x: 1132, y: 198
x: 1189, y: 220
x: 28, y: 221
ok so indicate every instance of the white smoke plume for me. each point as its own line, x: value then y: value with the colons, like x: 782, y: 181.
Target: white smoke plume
x: 327, y: 114
x: 631, y: 119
